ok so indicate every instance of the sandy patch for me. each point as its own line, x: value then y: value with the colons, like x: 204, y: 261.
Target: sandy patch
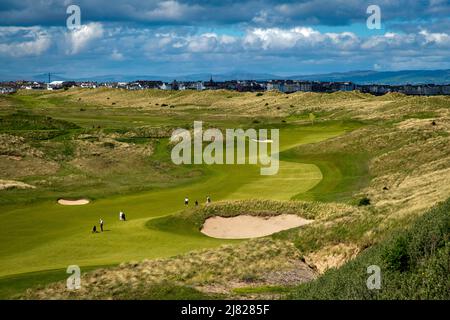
x: 245, y: 226
x: 12, y: 184
x: 78, y: 202
x: 332, y: 256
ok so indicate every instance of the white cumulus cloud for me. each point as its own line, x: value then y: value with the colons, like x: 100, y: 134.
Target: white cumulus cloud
x: 78, y: 39
x: 28, y: 41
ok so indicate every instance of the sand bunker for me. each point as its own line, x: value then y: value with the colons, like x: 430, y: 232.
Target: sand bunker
x: 78, y: 202
x: 245, y: 226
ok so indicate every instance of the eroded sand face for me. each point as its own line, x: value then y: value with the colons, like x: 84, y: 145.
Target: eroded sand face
x: 79, y: 202
x: 12, y: 184
x: 245, y: 226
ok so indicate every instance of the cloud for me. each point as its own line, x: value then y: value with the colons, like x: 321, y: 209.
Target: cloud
x: 300, y: 46
x: 116, y: 55
x: 33, y: 41
x: 161, y: 50
x: 439, y: 38
x: 169, y: 11
x: 80, y: 38
x: 249, y: 13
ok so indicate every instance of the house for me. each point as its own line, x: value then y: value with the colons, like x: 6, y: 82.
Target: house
x: 445, y: 89
x: 305, y: 86
x: 275, y: 85
x: 149, y: 84
x: 88, y: 84
x: 199, y: 86
x: 166, y: 86
x: 33, y: 86
x: 134, y: 86
x: 7, y: 90
x: 54, y: 85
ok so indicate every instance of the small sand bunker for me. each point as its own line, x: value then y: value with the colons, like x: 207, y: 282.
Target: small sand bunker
x: 245, y: 226
x: 79, y: 202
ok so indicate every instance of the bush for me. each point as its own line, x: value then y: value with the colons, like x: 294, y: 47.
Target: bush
x: 396, y: 256
x: 249, y: 277
x: 364, y: 202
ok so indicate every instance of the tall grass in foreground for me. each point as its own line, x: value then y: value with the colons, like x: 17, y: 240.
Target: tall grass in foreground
x: 415, y: 264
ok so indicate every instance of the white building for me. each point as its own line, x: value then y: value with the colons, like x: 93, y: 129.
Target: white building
x: 55, y: 85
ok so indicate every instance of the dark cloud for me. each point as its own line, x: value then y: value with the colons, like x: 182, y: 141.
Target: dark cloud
x: 225, y: 12
x: 214, y: 36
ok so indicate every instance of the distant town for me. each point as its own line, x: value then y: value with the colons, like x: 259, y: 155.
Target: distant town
x: 285, y: 86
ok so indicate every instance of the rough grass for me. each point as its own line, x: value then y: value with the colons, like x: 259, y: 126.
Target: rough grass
x: 256, y: 262
x: 415, y: 264
x: 25, y: 121
x: 192, y: 220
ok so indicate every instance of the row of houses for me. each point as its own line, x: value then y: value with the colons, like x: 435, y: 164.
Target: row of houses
x: 285, y: 86
x: 422, y: 89
x: 7, y: 90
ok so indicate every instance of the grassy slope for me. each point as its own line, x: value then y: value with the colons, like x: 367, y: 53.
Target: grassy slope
x: 415, y: 264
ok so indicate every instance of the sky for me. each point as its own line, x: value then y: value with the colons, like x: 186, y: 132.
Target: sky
x: 175, y: 37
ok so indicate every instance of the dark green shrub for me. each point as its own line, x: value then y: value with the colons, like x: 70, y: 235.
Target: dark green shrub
x: 364, y: 202
x: 396, y: 256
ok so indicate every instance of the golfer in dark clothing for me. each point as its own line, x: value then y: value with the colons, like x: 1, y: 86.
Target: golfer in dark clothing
x: 186, y: 201
x: 196, y: 203
x: 94, y: 229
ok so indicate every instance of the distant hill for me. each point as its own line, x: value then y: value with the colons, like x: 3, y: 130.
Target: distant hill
x: 383, y: 77
x: 359, y: 77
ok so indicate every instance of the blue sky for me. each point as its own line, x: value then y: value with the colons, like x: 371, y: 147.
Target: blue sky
x: 183, y: 37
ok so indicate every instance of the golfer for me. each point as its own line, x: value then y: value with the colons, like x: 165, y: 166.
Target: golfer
x: 208, y: 199
x: 101, y: 224
x: 186, y: 201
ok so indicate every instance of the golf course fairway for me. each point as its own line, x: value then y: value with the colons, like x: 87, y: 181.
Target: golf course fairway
x: 46, y: 235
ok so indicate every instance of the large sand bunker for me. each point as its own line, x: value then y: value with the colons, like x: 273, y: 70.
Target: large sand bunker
x: 245, y: 226
x: 79, y: 202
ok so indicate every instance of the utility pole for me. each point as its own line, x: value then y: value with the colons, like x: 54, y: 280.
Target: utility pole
x: 49, y: 74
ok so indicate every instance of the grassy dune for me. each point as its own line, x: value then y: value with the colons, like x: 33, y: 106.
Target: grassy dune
x: 415, y: 264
